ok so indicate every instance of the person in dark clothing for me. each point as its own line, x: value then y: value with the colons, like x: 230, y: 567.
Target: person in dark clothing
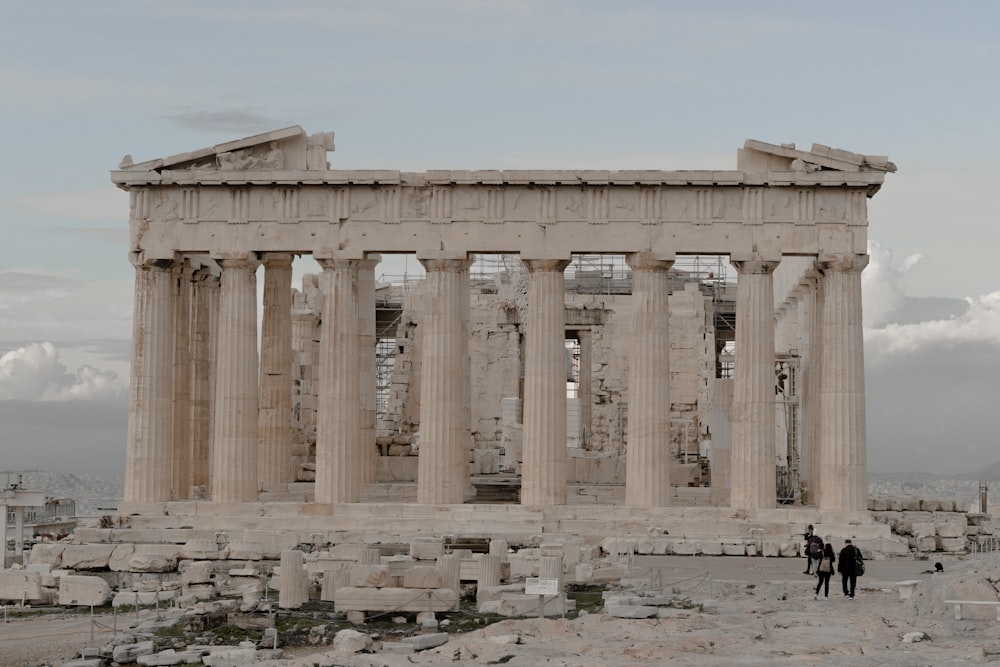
x: 815, y: 551
x: 825, y: 570
x: 848, y: 574
x: 808, y: 534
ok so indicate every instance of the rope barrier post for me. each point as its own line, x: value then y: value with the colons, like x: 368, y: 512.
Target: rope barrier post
x: 92, y: 625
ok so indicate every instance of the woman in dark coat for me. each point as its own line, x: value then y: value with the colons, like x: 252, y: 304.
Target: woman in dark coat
x: 825, y: 570
x: 846, y: 568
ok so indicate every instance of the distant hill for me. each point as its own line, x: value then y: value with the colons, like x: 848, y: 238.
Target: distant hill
x: 990, y: 473
x: 92, y: 493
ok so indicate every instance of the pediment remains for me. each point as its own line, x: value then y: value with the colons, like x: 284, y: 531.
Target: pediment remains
x: 285, y: 149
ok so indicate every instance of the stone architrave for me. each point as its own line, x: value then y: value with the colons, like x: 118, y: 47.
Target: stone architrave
x: 339, y: 439
x: 234, y: 467
x: 544, y: 472
x: 150, y: 433
x: 754, y: 484
x: 443, y: 466
x: 275, y: 416
x: 843, y: 445
x: 647, y: 480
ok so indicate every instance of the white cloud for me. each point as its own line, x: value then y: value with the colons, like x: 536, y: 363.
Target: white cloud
x: 882, y: 283
x: 35, y: 372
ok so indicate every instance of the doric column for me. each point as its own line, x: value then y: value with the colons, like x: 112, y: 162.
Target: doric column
x: 544, y: 470
x: 647, y: 469
x: 584, y: 395
x: 443, y: 465
x: 235, y: 438
x: 753, y: 453
x: 339, y: 442
x: 808, y: 374
x: 150, y: 436
x: 180, y: 485
x: 203, y: 284
x: 366, y: 362
x: 275, y: 416
x: 843, y: 441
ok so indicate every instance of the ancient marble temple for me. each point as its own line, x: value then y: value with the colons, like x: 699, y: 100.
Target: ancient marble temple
x: 210, y: 410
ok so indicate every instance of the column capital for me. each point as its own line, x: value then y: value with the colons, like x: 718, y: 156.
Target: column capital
x: 454, y: 264
x: 650, y: 261
x: 543, y: 264
x: 847, y: 262
x: 141, y: 260
x: 755, y: 265
x: 336, y: 263
x: 277, y: 259
x: 236, y: 260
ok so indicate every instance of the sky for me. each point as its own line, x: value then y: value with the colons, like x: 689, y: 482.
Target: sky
x: 518, y: 84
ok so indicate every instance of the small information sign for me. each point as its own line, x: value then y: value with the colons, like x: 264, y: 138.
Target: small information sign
x: 541, y: 586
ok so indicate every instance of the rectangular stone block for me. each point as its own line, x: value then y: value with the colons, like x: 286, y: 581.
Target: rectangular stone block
x: 368, y: 576
x: 83, y: 591
x: 395, y: 599
x: 426, y: 549
x: 17, y: 585
x: 422, y: 576
x: 87, y: 556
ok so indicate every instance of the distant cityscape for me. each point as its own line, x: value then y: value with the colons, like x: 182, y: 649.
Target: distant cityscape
x: 96, y: 495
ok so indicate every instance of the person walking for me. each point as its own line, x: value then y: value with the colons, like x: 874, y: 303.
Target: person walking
x: 806, y: 536
x: 824, y: 571
x: 815, y: 551
x: 847, y: 568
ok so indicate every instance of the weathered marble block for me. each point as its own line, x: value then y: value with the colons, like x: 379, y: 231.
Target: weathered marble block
x: 83, y: 590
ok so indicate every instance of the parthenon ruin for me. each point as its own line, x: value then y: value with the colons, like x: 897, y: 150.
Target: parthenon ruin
x: 564, y: 342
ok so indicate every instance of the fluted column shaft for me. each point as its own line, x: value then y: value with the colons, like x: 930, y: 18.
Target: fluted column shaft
x: 275, y: 416
x: 203, y: 282
x: 180, y: 485
x: 235, y: 439
x: 843, y: 439
x: 150, y: 436
x: 544, y: 469
x: 339, y: 441
x: 584, y: 394
x: 753, y: 452
x: 366, y: 363
x: 647, y: 469
x: 443, y: 465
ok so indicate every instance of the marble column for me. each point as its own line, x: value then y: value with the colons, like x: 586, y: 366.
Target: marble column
x: 150, y: 436
x: 544, y: 469
x: 807, y: 380
x: 754, y: 484
x: 584, y: 395
x: 443, y: 465
x: 180, y: 486
x: 339, y: 439
x: 202, y: 285
x: 843, y: 443
x: 366, y: 363
x: 275, y: 416
x: 235, y: 438
x: 647, y: 463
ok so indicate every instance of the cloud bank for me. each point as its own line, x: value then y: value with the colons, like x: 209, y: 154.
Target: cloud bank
x: 35, y: 373
x: 932, y: 374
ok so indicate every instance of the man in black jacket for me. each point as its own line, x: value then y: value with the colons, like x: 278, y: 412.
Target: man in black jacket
x: 845, y: 565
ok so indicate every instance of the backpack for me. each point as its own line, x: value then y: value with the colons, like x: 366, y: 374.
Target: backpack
x: 859, y: 563
x: 815, y: 547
